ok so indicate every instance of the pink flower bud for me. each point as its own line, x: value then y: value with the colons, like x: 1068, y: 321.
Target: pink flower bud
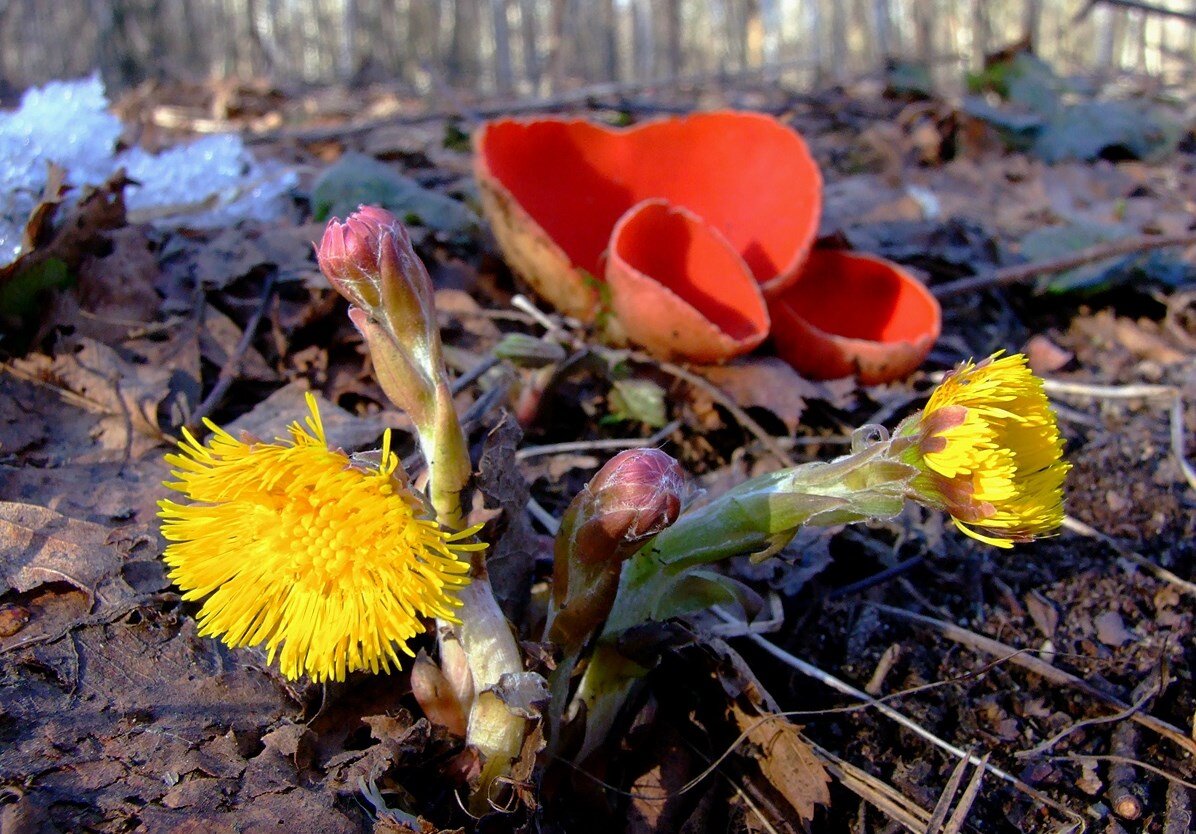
x: 637, y: 494
x: 369, y: 260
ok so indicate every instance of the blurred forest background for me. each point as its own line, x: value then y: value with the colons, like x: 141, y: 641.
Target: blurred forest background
x: 542, y: 47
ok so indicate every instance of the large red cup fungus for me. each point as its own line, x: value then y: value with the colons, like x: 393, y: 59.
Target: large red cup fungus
x: 849, y: 313
x: 558, y: 192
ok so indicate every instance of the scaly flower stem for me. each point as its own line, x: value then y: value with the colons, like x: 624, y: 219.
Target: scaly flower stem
x: 369, y: 260
x: 482, y: 633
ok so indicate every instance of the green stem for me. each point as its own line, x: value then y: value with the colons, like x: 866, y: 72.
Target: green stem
x: 483, y: 632
x: 757, y: 517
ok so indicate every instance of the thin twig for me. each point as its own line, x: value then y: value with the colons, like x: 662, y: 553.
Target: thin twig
x: 1047, y: 744
x: 473, y: 374
x: 232, y: 365
x: 1077, y: 526
x: 964, y: 807
x: 717, y: 394
x: 598, y: 445
x: 1138, y: 6
x: 1158, y: 771
x: 876, y: 578
x: 1024, y: 272
x: 1039, y: 667
x: 812, y: 671
x: 1166, y: 393
x: 546, y: 519
x: 947, y: 798
x: 875, y: 791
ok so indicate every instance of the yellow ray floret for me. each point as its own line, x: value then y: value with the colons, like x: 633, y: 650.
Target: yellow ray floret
x: 989, y: 448
x: 327, y: 563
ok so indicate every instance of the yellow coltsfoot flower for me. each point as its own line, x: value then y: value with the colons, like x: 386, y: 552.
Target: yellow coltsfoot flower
x: 325, y: 561
x: 988, y: 449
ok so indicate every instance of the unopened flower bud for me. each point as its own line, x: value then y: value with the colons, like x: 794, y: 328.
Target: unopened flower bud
x: 370, y: 261
x: 633, y: 497
x: 637, y: 494
x: 350, y: 252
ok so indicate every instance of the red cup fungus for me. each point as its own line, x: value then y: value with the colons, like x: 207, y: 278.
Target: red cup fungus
x: 853, y: 314
x: 701, y: 229
x: 741, y: 187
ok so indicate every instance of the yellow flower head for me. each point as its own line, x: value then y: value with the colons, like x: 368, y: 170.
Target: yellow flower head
x: 988, y: 447
x: 327, y: 562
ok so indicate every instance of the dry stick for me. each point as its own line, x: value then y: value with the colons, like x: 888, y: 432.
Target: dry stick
x: 536, y: 510
x: 1122, y: 797
x: 1178, y: 819
x: 1077, y: 526
x: 1024, y: 272
x: 766, y: 440
x: 947, y: 797
x: 812, y: 671
x: 876, y: 791
x: 616, y: 443
x: 1039, y: 667
x: 232, y: 365
x: 1158, y: 771
x: 1167, y: 393
x: 955, y: 824
x: 1047, y: 744
x: 469, y: 377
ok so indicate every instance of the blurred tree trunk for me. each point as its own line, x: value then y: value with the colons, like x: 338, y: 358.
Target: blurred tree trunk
x: 981, y: 34
x: 464, y: 60
x: 608, y: 39
x: 643, y: 39
x: 564, y: 13
x: 531, y: 43
x: 882, y: 25
x: 1031, y: 21
x: 503, y: 75
x: 815, y: 40
x: 674, y: 59
x: 838, y: 55
x: 753, y: 34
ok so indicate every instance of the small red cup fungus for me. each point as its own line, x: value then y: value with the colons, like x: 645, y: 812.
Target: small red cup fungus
x: 852, y: 314
x: 680, y: 289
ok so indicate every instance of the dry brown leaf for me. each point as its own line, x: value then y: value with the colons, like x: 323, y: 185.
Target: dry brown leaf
x: 100, y: 209
x: 269, y: 420
x: 218, y: 341
x: 38, y: 546
x: 786, y: 760
x: 95, y: 378
x: 766, y: 382
x: 1111, y: 630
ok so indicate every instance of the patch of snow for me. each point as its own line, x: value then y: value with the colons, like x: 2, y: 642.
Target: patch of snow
x: 213, y: 181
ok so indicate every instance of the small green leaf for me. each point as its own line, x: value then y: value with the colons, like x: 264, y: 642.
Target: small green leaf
x: 528, y: 351
x: 19, y: 296
x: 638, y: 399
x: 357, y: 179
x: 456, y: 139
x: 697, y: 590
